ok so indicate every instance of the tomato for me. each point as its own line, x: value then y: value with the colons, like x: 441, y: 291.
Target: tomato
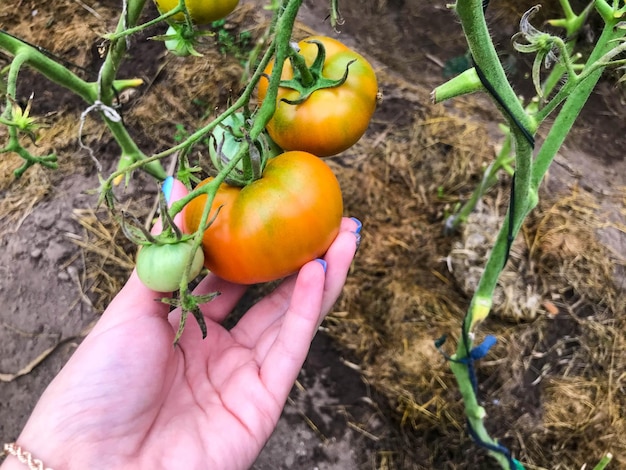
x: 330, y: 120
x: 161, y: 267
x: 227, y: 139
x: 273, y: 226
x: 200, y: 11
x: 177, y: 41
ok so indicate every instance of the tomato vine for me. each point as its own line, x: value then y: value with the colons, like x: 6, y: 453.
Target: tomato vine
x: 241, y: 147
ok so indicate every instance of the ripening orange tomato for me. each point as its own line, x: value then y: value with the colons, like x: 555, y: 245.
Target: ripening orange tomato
x: 273, y: 226
x: 330, y: 120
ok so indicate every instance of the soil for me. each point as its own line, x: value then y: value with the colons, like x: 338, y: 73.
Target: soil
x: 374, y: 392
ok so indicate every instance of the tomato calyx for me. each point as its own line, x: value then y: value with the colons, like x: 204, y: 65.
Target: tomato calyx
x: 139, y: 235
x: 187, y: 304
x: 181, y: 38
x: 307, y: 80
x: 231, y: 140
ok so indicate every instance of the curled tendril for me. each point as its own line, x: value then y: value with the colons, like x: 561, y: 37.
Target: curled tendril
x: 529, y: 39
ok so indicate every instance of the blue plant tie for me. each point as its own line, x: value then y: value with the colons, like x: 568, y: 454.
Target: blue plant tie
x: 514, y: 464
x: 476, y: 353
x: 483, y: 348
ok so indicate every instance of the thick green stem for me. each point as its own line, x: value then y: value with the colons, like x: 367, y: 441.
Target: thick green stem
x: 486, y: 57
x: 522, y: 126
x: 528, y: 174
x: 567, y: 10
x: 48, y: 67
x: 298, y: 63
x: 486, y: 60
x: 116, y: 52
x: 106, y: 90
x: 284, y: 28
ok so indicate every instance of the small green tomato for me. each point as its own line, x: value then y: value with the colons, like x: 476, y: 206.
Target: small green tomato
x: 180, y: 41
x: 161, y: 266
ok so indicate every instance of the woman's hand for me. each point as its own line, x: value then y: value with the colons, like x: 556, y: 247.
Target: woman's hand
x: 129, y: 399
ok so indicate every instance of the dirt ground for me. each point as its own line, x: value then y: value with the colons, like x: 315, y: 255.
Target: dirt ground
x: 374, y: 393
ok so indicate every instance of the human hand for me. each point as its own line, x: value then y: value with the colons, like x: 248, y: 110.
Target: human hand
x: 128, y: 399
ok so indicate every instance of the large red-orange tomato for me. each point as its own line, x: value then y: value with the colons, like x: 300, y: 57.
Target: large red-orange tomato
x: 272, y: 227
x: 331, y: 119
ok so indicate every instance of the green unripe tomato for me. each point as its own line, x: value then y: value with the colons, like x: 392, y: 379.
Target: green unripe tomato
x: 227, y: 139
x: 180, y: 43
x: 161, y: 267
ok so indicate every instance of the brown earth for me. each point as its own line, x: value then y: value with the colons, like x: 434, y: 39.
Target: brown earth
x: 374, y: 392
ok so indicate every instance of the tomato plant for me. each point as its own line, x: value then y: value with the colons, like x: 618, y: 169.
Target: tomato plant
x: 331, y: 117
x: 161, y: 266
x: 271, y: 227
x: 200, y: 11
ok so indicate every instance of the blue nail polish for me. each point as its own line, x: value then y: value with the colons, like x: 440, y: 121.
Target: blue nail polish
x: 166, y: 187
x: 359, y: 225
x: 323, y: 263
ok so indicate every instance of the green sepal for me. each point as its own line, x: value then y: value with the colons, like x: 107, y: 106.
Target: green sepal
x: 307, y: 80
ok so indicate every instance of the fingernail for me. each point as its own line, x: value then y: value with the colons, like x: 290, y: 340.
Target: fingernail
x: 359, y: 225
x: 358, y: 240
x: 323, y: 263
x: 166, y: 187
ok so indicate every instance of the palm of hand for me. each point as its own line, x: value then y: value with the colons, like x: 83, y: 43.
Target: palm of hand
x: 129, y: 399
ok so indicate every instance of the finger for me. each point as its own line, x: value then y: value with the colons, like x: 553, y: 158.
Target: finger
x: 269, y: 310
x: 350, y: 224
x: 132, y: 302
x: 339, y: 257
x: 284, y: 358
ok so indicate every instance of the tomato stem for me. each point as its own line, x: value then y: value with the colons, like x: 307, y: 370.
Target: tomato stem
x: 307, y: 80
x: 336, y: 19
x: 123, y: 33
x: 285, y: 21
x: 304, y: 74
